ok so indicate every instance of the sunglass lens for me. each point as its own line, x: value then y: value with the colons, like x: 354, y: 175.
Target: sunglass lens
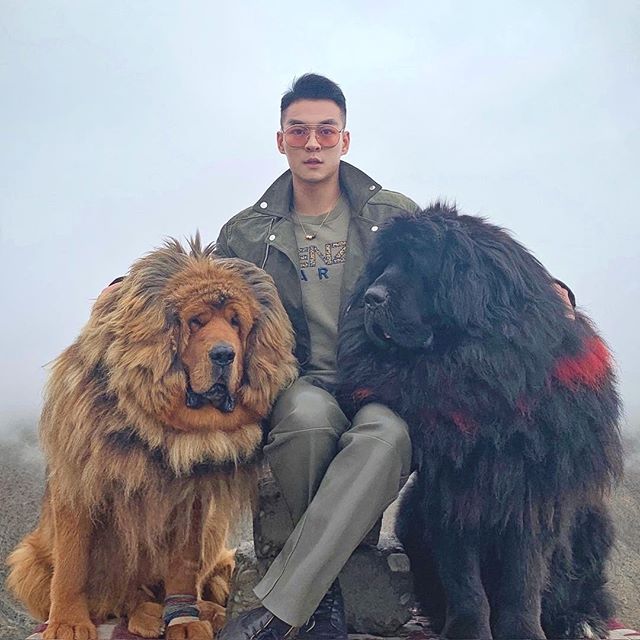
x: 327, y: 136
x: 296, y: 136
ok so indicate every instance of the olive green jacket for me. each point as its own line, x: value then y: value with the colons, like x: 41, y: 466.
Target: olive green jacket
x: 264, y: 234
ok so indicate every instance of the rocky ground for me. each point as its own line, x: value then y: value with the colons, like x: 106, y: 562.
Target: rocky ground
x: 21, y: 484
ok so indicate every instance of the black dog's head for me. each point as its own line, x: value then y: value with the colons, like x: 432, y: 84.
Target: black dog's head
x: 399, y: 308
x: 436, y: 277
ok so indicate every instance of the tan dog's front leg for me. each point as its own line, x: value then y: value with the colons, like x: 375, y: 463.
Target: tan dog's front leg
x: 146, y: 620
x: 69, y: 615
x: 216, y: 583
x: 181, y: 613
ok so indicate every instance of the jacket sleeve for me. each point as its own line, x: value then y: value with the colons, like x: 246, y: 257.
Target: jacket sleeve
x: 222, y: 243
x: 413, y: 207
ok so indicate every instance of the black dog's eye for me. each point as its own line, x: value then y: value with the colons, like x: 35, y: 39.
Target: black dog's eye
x: 195, y: 323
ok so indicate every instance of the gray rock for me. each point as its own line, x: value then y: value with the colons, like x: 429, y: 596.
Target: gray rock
x: 381, y: 609
x: 398, y: 562
x: 377, y: 597
x: 377, y: 588
x: 272, y: 523
x: 245, y: 577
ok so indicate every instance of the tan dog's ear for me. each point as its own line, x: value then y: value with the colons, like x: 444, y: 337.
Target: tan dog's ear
x: 270, y: 365
x: 97, y: 334
x: 144, y: 327
x: 176, y: 334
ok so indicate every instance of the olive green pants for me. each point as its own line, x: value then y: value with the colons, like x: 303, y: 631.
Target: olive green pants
x: 337, y: 478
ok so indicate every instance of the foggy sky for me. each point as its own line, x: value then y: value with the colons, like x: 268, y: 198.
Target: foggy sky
x: 124, y: 122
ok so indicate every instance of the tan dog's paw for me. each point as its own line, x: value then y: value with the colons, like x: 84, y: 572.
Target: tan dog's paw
x: 198, y: 630
x: 214, y: 613
x: 146, y: 620
x: 70, y: 631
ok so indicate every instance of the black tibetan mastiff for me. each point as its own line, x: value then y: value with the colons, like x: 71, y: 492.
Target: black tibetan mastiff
x: 512, y: 404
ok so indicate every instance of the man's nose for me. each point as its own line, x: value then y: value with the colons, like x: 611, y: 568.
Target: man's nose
x: 312, y: 142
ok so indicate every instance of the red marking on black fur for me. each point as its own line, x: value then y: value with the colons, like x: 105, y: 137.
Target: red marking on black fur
x: 589, y: 368
x: 362, y: 394
x: 465, y: 423
x: 523, y: 406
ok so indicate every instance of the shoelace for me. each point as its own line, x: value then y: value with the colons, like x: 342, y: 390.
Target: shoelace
x: 326, y: 604
x: 324, y: 608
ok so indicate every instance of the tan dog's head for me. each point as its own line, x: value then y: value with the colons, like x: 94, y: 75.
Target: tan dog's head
x: 195, y: 341
x: 214, y: 317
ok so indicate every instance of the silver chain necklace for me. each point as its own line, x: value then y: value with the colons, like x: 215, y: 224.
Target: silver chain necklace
x: 312, y: 236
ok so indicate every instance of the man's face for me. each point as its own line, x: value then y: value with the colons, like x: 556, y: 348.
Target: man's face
x: 313, y: 163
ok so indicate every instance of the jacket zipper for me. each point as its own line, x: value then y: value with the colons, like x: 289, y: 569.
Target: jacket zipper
x: 266, y: 253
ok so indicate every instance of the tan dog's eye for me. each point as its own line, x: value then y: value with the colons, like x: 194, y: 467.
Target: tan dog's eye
x: 235, y: 322
x: 195, y: 323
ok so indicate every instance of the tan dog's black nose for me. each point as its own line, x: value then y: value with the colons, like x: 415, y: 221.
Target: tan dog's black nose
x: 222, y: 354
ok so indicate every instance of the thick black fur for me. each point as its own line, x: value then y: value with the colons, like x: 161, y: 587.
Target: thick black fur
x: 458, y: 328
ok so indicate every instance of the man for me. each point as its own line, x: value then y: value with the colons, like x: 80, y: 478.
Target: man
x: 311, y: 231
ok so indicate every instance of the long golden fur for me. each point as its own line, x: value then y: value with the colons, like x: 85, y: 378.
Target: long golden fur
x: 149, y: 436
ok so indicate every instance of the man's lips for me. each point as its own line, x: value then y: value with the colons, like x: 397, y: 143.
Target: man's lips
x: 313, y: 162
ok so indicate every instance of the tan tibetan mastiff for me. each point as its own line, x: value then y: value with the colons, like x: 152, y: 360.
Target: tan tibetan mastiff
x: 150, y: 424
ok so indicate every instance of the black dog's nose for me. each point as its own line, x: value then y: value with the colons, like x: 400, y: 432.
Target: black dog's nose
x: 222, y: 354
x: 375, y: 295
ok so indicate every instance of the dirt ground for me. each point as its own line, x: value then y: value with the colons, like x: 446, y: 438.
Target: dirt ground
x: 21, y: 486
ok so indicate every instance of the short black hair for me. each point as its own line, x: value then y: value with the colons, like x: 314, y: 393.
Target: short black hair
x: 312, y: 86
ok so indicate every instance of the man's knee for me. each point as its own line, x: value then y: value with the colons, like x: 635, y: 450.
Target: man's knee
x: 378, y: 421
x: 305, y: 407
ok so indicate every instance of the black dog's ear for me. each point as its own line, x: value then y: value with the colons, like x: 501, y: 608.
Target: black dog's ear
x: 462, y: 288
x: 488, y: 279
x: 482, y: 282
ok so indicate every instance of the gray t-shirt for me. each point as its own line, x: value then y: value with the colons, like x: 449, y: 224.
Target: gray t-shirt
x: 321, y: 262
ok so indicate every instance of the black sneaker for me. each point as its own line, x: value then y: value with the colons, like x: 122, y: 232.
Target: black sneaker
x: 328, y: 621
x: 257, y: 624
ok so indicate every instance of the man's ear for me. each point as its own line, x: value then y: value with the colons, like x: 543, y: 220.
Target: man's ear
x: 280, y: 141
x: 346, y: 141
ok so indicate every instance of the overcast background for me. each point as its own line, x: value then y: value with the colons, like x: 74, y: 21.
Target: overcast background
x: 123, y: 122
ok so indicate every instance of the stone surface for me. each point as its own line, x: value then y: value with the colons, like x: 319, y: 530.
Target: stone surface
x: 380, y: 610
x: 272, y: 523
x: 625, y: 565
x: 21, y: 489
x: 245, y: 577
x: 377, y: 588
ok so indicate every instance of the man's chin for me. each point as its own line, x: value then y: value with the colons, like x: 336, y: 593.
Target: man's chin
x: 315, y: 175
x: 312, y: 177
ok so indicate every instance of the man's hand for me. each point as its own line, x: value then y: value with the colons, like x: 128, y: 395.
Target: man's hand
x: 109, y: 290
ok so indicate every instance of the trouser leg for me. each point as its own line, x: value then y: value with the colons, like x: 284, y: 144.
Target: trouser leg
x: 372, y: 462
x: 306, y: 425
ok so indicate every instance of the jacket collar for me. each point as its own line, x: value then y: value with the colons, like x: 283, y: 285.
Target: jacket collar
x: 356, y: 185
